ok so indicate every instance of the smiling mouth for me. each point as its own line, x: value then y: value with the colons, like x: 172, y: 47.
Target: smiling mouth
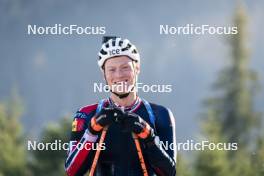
x: 121, y: 82
x: 122, y: 86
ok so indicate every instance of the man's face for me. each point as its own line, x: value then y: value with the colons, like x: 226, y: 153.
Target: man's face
x: 120, y: 73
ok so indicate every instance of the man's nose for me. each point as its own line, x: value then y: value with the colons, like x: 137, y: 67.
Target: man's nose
x: 119, y: 73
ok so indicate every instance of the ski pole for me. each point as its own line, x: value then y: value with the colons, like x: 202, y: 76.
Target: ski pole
x: 96, y: 157
x: 140, y: 155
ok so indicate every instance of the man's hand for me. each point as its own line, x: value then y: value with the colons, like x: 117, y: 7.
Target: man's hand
x: 134, y: 123
x: 104, y: 118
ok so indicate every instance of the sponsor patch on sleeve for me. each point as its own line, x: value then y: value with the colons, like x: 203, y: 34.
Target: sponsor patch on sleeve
x: 78, y: 124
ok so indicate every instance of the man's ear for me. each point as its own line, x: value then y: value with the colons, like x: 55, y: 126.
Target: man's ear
x: 137, y: 68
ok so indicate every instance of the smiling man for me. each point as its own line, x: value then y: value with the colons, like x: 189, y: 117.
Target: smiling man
x: 130, y: 127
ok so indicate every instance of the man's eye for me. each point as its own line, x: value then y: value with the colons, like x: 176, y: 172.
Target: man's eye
x: 125, y: 67
x: 111, y: 70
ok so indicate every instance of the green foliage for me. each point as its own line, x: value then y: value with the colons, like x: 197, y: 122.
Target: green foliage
x: 12, y: 150
x: 212, y: 162
x: 258, y: 157
x: 182, y: 168
x: 51, y: 162
x: 236, y: 87
x: 231, y: 116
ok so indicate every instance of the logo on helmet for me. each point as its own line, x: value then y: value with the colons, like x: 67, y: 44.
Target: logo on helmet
x: 114, y: 52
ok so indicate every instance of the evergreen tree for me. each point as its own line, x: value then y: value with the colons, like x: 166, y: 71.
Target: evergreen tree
x: 230, y: 113
x: 12, y: 148
x: 51, y: 162
x: 182, y: 168
x: 212, y: 162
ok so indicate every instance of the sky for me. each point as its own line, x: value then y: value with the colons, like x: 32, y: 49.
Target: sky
x: 54, y: 74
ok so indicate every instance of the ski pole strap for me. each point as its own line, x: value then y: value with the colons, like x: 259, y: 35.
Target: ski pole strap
x: 150, y: 112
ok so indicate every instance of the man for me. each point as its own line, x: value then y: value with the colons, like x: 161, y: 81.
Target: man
x: 125, y: 119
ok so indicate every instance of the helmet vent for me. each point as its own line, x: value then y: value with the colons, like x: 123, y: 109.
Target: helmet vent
x: 103, y: 52
x: 120, y: 43
x: 134, y: 51
x: 126, y: 48
x: 113, y: 42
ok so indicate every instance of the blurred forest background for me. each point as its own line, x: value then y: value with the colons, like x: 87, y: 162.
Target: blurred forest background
x: 38, y: 96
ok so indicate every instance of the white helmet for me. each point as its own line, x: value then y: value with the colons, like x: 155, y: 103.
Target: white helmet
x: 117, y: 47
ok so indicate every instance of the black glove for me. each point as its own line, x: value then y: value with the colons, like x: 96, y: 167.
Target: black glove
x: 104, y: 118
x: 134, y: 123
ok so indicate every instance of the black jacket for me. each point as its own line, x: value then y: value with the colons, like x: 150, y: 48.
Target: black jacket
x: 120, y: 157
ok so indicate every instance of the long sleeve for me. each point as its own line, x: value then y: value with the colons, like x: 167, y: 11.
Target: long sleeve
x: 81, y: 151
x: 163, y: 160
x: 76, y: 162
